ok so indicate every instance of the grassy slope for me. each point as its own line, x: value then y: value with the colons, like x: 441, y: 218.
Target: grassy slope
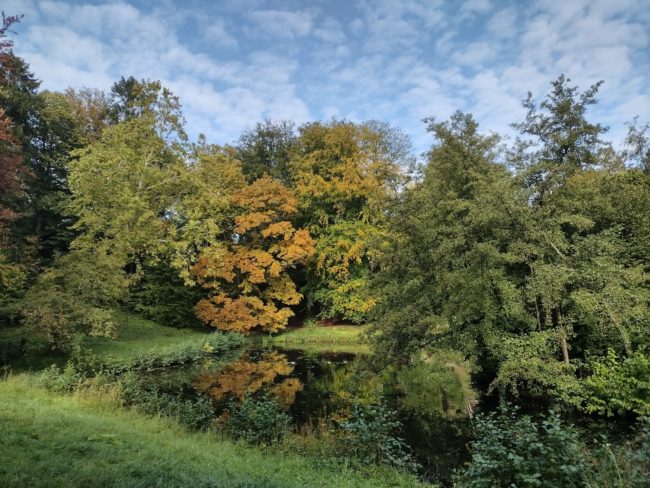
x: 48, y: 440
x: 138, y: 336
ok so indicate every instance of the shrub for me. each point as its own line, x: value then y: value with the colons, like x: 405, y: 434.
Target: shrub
x: 59, y: 380
x: 372, y: 437
x: 515, y: 450
x: 257, y: 420
x: 618, y: 385
x: 194, y: 413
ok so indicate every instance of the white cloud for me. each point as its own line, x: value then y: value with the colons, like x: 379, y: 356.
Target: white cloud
x: 218, y: 33
x: 503, y: 24
x: 396, y: 60
x: 472, y: 8
x: 330, y: 30
x: 283, y: 24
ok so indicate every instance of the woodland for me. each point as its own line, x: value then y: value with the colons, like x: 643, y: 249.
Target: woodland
x: 523, y: 262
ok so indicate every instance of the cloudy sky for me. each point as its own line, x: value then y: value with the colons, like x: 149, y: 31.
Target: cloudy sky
x: 234, y: 62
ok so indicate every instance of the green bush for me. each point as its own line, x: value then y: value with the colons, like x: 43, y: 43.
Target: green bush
x: 372, y: 437
x: 61, y: 380
x: 193, y: 413
x: 514, y: 450
x: 618, y: 386
x: 257, y: 420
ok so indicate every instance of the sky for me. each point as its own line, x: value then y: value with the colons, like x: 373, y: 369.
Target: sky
x: 236, y: 62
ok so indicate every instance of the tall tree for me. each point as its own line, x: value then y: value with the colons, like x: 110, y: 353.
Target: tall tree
x: 443, y: 274
x: 10, y: 166
x: 344, y: 176
x: 123, y: 185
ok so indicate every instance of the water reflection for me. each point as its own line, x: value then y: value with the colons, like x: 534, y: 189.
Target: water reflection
x: 250, y: 374
x: 317, y: 389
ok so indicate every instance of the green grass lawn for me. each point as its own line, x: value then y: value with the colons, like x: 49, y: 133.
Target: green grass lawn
x: 138, y: 336
x: 49, y: 440
x: 339, y: 338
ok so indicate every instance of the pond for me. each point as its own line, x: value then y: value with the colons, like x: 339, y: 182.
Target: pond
x: 433, y: 401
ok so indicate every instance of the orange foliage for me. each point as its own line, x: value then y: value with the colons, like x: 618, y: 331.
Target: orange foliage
x: 247, y: 376
x: 249, y: 275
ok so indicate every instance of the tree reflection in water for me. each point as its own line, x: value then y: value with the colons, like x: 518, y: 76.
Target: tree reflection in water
x: 250, y: 375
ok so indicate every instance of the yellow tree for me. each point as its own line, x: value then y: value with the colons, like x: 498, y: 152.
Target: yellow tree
x: 344, y: 175
x: 247, y: 274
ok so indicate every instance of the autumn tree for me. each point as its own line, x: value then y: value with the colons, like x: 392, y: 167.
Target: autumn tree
x: 247, y: 275
x: 344, y: 175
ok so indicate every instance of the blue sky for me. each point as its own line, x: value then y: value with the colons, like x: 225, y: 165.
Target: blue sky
x: 235, y: 62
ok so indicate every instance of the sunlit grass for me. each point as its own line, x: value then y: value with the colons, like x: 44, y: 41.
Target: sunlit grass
x: 137, y: 336
x: 338, y: 338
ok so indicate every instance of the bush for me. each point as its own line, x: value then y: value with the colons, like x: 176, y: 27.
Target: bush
x: 59, y: 380
x: 515, y: 450
x: 372, y: 437
x: 618, y: 385
x: 196, y: 414
x: 257, y: 420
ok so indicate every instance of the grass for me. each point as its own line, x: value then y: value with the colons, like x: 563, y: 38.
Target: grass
x: 50, y: 440
x: 138, y: 337
x: 336, y: 338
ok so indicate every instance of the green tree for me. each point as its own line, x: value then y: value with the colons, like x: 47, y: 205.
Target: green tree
x: 445, y: 271
x: 77, y: 295
x: 123, y: 186
x: 267, y: 150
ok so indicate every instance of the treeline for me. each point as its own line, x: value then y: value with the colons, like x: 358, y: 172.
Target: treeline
x: 107, y: 202
x: 531, y: 256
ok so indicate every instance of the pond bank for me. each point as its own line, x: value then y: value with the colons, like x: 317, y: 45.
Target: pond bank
x: 51, y: 440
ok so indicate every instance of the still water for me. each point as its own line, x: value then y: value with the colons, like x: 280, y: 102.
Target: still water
x: 433, y: 401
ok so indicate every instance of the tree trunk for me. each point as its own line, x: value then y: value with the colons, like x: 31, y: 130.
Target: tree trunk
x: 621, y: 329
x: 563, y: 336
x: 564, y: 346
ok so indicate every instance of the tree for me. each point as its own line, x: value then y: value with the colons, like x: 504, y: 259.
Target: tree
x: 204, y: 212
x: 444, y: 272
x: 638, y: 145
x: 77, y: 295
x: 344, y: 175
x: 10, y: 167
x: 579, y: 275
x: 123, y: 186
x: 558, y: 140
x: 247, y: 275
x: 91, y: 108
x: 267, y: 150
x: 132, y: 99
x: 18, y: 86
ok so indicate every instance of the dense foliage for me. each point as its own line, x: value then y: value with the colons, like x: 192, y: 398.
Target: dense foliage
x: 513, y: 450
x: 531, y: 257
